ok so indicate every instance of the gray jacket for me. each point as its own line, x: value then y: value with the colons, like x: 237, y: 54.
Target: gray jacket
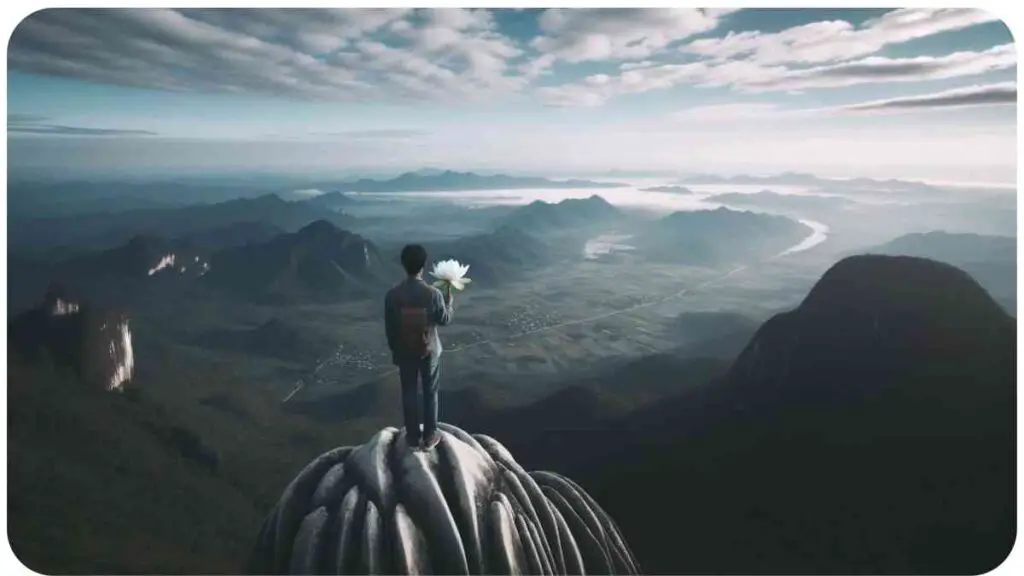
x: 419, y: 293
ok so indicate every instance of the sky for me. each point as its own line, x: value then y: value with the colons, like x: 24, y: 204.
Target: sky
x: 924, y: 93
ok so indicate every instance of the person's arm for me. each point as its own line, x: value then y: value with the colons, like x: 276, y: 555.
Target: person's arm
x: 390, y: 323
x: 442, y: 311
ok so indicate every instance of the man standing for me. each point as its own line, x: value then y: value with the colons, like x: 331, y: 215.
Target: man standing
x: 412, y: 312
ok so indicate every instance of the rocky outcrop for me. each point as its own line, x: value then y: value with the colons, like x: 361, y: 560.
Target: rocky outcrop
x: 465, y: 507
x: 92, y: 343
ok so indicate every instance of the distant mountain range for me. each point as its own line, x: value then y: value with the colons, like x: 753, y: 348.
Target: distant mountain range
x: 805, y: 179
x: 717, y: 237
x: 953, y: 248
x: 428, y: 181
x: 991, y: 260
x: 810, y: 206
x: 111, y: 229
x: 331, y: 200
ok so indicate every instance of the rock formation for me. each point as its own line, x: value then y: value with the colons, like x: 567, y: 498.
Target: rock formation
x: 92, y: 343
x: 465, y: 507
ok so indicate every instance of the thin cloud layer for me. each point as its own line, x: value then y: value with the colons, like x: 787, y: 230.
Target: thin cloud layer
x: 58, y: 130
x: 1004, y: 93
x: 1001, y: 93
x: 40, y: 125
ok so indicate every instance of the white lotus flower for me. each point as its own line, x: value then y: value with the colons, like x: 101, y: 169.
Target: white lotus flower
x: 450, y: 274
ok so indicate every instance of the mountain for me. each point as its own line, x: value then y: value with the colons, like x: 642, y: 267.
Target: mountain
x: 871, y: 429
x: 717, y: 237
x: 111, y: 229
x: 805, y: 179
x: 953, y: 248
x: 331, y: 200
x: 27, y: 279
x: 73, y: 337
x: 109, y: 483
x: 449, y: 180
x: 145, y: 270
x: 466, y: 508
x: 809, y: 206
x: 274, y: 338
x: 566, y: 215
x: 991, y: 260
x: 496, y: 257
x: 319, y: 263
x: 234, y: 234
x: 143, y: 256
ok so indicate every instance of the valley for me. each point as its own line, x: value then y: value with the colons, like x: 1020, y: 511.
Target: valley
x: 584, y: 316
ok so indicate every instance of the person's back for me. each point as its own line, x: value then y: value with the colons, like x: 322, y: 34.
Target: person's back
x: 412, y: 312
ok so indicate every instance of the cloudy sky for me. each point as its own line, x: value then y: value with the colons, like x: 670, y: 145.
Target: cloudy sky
x: 916, y: 92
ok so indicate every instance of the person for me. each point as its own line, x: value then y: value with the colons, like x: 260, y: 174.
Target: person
x: 412, y: 312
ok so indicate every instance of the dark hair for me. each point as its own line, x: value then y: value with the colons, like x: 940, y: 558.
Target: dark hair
x: 414, y: 258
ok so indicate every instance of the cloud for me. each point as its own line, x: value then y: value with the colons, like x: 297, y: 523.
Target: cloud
x: 597, y: 89
x: 462, y: 55
x: 58, y: 130
x: 751, y: 77
x: 987, y: 95
x: 41, y: 125
x: 635, y: 65
x: 581, y: 35
x: 311, y: 54
x: 745, y: 114
x: 313, y: 31
x: 836, y: 40
x: 25, y: 118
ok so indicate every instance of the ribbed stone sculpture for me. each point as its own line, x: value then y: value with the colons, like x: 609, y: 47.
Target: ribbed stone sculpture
x: 465, y: 507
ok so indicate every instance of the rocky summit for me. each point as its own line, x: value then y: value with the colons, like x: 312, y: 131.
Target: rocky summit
x: 465, y: 507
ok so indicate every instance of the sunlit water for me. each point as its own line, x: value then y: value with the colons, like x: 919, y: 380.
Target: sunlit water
x: 605, y: 244
x: 819, y: 235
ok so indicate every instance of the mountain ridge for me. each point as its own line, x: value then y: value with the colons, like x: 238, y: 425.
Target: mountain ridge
x: 452, y: 180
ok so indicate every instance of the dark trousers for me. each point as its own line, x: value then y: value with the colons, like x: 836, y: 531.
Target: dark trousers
x: 428, y: 371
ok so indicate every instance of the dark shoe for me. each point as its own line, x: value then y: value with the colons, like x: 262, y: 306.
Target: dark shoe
x: 432, y: 442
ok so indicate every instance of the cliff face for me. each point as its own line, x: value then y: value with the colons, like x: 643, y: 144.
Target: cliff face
x: 93, y: 344
x: 466, y: 507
